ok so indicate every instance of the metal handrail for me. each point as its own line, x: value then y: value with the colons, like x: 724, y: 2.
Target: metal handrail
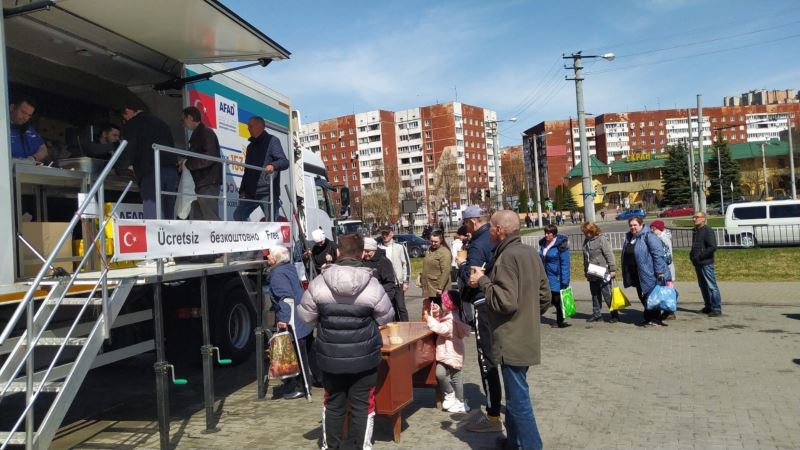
x: 66, y: 235
x: 72, y: 279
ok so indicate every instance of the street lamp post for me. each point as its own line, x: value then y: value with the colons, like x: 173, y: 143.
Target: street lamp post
x: 764, y: 170
x: 496, y: 158
x: 588, y: 189
x: 535, y: 138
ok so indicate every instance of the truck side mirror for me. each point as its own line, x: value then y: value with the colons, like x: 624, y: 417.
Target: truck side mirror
x: 344, y: 196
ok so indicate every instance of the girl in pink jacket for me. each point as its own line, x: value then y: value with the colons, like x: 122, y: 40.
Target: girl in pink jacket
x: 449, y: 352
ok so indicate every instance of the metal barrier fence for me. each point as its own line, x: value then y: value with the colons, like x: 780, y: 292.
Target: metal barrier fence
x: 681, y: 238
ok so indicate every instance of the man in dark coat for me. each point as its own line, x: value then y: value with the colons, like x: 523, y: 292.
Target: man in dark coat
x: 375, y: 258
x: 264, y: 151
x: 142, y: 130
x: 480, y: 253
x: 207, y: 175
x: 704, y: 244
x: 517, y: 293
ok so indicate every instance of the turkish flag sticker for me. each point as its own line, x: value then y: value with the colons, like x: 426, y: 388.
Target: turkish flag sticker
x: 286, y: 233
x: 132, y: 239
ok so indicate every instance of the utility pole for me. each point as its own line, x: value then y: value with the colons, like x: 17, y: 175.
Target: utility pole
x: 495, y: 150
x: 538, y: 188
x: 792, y: 179
x: 719, y: 168
x: 764, y: 170
x: 701, y: 191
x: 586, y: 175
x: 692, y: 181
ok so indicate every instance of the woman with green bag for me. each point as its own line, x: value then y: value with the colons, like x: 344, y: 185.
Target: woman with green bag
x: 599, y: 267
x: 554, y: 251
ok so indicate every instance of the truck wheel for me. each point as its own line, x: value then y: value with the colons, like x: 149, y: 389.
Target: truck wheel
x: 234, y: 321
x: 748, y: 241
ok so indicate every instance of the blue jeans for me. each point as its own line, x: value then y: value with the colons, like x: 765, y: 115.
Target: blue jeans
x: 520, y: 423
x: 707, y: 279
x: 245, y: 208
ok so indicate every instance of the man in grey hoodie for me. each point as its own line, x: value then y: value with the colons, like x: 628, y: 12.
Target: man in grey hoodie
x: 347, y: 304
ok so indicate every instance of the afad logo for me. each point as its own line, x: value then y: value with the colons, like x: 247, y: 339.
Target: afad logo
x: 132, y: 239
x: 286, y: 233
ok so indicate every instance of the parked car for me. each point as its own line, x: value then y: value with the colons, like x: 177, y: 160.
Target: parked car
x: 628, y: 213
x: 415, y: 245
x: 677, y: 211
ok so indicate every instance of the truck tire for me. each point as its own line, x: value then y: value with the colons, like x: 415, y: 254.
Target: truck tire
x: 233, y: 322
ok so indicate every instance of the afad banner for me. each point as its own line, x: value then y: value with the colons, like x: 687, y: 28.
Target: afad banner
x: 151, y: 239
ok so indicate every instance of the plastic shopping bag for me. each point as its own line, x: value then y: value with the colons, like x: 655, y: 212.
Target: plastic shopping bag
x: 618, y: 299
x: 183, y: 202
x: 663, y: 298
x: 283, y: 358
x: 567, y: 302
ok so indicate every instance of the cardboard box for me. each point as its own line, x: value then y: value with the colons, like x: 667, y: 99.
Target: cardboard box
x: 43, y: 236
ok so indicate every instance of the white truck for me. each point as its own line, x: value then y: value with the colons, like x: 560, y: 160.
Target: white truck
x: 80, y: 59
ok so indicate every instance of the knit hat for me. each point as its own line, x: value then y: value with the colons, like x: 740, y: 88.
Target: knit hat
x: 370, y: 244
x: 657, y: 224
x: 318, y: 235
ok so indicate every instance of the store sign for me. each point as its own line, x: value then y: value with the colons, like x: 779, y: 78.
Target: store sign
x: 151, y: 239
x: 637, y: 157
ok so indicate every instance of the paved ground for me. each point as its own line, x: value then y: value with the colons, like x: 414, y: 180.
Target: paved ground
x: 729, y: 382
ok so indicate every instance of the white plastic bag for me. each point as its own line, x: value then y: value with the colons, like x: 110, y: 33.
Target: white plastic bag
x: 183, y: 204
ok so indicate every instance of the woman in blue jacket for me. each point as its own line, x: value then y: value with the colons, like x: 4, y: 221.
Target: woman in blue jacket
x: 283, y: 282
x: 644, y: 266
x: 554, y: 251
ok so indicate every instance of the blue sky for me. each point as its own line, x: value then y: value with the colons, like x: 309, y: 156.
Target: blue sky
x: 353, y: 56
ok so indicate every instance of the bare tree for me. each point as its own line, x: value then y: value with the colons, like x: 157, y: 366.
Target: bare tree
x: 513, y: 175
x: 446, y: 183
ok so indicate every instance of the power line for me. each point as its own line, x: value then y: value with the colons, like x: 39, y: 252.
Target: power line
x: 706, y: 41
x: 677, y: 58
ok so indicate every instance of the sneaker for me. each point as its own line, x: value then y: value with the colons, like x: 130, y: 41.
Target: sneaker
x: 715, y: 314
x: 594, y: 319
x: 449, y: 401
x: 485, y: 425
x: 659, y: 323
x: 458, y: 407
x: 645, y: 324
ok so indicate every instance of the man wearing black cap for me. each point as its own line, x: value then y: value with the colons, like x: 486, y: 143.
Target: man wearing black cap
x: 480, y: 253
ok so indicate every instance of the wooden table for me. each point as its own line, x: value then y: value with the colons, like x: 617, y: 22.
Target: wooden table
x: 403, y: 367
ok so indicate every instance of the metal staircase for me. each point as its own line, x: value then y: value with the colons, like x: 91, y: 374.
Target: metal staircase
x: 32, y: 368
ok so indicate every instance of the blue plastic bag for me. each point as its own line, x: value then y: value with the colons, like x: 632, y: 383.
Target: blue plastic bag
x: 663, y: 298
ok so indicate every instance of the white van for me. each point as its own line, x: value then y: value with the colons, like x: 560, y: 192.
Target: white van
x: 763, y: 223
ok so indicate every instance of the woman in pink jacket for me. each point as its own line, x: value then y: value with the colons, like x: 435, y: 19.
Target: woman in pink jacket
x: 449, y: 352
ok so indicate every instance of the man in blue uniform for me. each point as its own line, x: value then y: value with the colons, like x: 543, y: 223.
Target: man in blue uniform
x: 25, y: 141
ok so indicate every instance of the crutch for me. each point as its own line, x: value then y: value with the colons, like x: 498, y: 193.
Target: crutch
x: 290, y: 302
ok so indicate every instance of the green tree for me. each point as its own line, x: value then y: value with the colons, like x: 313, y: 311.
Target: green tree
x: 730, y: 172
x: 564, y: 200
x: 523, y: 201
x: 675, y: 174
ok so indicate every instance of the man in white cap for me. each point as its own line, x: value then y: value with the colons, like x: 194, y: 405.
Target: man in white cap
x: 375, y: 258
x: 397, y: 254
x: 323, y: 252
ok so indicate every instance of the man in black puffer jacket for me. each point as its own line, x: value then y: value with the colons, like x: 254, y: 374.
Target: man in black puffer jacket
x: 347, y: 304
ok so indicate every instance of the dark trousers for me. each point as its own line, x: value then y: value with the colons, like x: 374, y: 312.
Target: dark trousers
x: 399, y: 304
x: 490, y: 375
x: 654, y: 315
x: 555, y: 299
x: 601, y: 292
x: 147, y: 189
x: 359, y: 390
x: 205, y: 208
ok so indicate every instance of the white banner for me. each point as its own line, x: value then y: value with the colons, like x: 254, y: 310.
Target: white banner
x: 151, y: 239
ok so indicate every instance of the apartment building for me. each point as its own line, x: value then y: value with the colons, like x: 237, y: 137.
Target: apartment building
x: 617, y: 135
x: 763, y: 97
x: 400, y: 151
